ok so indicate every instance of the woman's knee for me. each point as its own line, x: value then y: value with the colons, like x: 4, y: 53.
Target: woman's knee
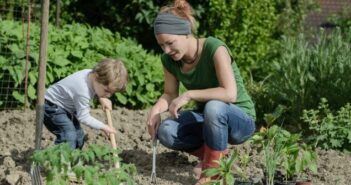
x: 247, y: 129
x: 165, y: 134
x: 214, y: 107
x: 215, y: 115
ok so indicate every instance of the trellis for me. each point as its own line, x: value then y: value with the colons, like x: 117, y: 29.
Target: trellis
x: 14, y: 61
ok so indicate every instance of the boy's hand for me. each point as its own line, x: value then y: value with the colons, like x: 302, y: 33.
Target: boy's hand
x: 108, y: 130
x: 105, y: 103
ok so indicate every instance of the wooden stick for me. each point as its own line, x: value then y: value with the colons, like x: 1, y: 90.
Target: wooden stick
x: 112, y: 136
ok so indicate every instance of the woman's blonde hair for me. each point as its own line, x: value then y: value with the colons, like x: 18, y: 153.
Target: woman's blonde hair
x: 182, y: 9
x: 113, y: 71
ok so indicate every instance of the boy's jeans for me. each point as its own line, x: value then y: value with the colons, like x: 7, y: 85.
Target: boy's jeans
x: 64, y: 125
x: 220, y: 123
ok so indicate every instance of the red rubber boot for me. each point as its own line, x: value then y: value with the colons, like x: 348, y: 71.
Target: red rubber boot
x: 197, y: 170
x: 198, y: 152
x: 210, y: 156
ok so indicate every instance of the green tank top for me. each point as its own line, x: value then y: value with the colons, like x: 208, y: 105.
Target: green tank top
x: 203, y: 75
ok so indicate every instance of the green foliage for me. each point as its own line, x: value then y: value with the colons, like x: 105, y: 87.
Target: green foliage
x: 261, y: 97
x: 145, y: 74
x: 12, y: 60
x: 227, y: 167
x: 342, y: 20
x: 291, y: 15
x: 329, y: 130
x: 93, y: 166
x: 245, y: 26
x: 131, y: 18
x: 271, y: 118
x: 252, y: 28
x: 10, y: 9
x: 75, y: 47
x: 306, y: 72
x: 282, y: 151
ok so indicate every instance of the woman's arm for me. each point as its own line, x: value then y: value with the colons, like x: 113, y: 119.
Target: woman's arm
x: 226, y: 91
x: 171, y: 86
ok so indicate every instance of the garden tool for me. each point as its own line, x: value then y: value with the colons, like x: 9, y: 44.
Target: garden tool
x: 153, y: 172
x: 35, y: 174
x: 112, y: 136
x: 35, y: 169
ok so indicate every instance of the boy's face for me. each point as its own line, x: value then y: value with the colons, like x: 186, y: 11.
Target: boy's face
x: 104, y: 91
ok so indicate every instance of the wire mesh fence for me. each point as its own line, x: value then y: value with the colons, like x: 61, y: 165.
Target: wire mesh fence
x: 16, y: 17
x: 17, y: 85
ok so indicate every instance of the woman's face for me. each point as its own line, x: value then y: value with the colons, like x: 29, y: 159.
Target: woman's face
x: 173, y: 45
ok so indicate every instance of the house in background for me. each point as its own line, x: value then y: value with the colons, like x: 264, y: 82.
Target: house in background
x: 328, y: 8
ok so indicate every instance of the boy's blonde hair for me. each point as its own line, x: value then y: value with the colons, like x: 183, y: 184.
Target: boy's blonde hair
x: 113, y: 71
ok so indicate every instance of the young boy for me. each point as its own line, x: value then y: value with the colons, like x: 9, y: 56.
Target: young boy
x: 67, y: 101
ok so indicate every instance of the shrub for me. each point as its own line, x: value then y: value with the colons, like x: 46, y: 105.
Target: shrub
x: 306, y: 72
x: 75, y: 47
x: 329, y: 130
x: 252, y: 29
x: 343, y: 19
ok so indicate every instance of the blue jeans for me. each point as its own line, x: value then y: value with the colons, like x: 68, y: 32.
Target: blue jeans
x: 217, y: 125
x: 64, y: 125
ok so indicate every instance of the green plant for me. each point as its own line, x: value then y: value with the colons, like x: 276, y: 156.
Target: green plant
x: 271, y: 152
x: 343, y: 19
x: 296, y: 158
x: 329, y: 130
x: 93, y: 166
x: 227, y: 168
x: 75, y: 47
x: 282, y: 152
x: 271, y: 147
x: 260, y: 95
x: 307, y: 70
x: 252, y: 29
x: 271, y: 118
x: 246, y: 27
x: 10, y: 9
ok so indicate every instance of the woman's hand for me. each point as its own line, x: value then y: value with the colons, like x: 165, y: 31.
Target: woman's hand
x: 106, y: 104
x: 178, y: 103
x: 153, y: 122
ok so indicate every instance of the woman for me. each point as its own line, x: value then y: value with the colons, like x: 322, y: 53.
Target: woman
x: 225, y: 112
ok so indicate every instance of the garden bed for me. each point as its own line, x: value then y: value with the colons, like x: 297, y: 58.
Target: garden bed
x: 17, y: 131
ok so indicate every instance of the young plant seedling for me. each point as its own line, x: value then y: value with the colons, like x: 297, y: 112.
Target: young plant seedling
x: 95, y: 165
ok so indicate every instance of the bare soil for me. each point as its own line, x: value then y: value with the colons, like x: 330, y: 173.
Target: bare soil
x: 17, y: 133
